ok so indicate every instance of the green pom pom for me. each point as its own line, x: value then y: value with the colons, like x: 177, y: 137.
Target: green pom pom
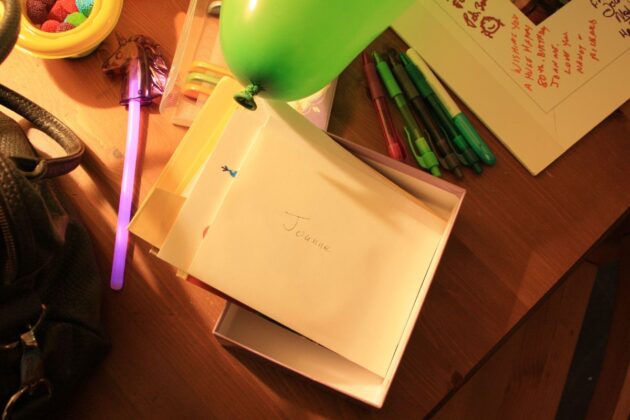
x: 75, y: 18
x: 85, y: 6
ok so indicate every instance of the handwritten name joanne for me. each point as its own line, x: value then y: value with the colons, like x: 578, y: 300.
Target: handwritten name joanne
x: 293, y: 225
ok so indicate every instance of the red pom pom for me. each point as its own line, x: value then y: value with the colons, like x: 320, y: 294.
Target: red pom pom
x: 36, y: 11
x: 50, y: 26
x: 57, y: 12
x: 49, y: 3
x: 64, y: 26
x: 69, y: 6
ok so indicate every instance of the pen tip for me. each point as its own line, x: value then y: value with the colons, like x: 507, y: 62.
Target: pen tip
x: 458, y: 173
x: 489, y: 159
x: 435, y: 171
x: 477, y: 168
x: 365, y: 57
x: 396, y: 152
x: 392, y: 55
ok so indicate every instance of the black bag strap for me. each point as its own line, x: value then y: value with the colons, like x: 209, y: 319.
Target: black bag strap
x: 35, y: 167
x: 44, y: 167
x: 9, y: 27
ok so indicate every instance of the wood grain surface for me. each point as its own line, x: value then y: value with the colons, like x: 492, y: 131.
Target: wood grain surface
x: 611, y: 397
x: 515, y: 239
x: 525, y: 378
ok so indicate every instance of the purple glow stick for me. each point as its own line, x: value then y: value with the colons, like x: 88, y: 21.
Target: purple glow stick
x: 144, y: 71
x: 128, y: 182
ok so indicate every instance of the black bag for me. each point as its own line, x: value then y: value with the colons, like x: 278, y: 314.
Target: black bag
x: 50, y: 291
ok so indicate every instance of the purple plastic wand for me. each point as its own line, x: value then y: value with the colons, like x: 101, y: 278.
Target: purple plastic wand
x: 144, y: 70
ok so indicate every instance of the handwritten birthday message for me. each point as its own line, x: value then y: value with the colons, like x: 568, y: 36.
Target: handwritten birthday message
x: 476, y: 16
x: 541, y: 61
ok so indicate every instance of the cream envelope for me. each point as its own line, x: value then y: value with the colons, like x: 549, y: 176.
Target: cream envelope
x: 538, y: 88
x: 241, y: 327
x: 210, y: 188
x: 316, y: 240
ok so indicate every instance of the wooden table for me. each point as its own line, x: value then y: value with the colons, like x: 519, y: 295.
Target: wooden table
x: 516, y: 238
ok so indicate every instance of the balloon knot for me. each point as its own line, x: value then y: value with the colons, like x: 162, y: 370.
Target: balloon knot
x: 246, y: 97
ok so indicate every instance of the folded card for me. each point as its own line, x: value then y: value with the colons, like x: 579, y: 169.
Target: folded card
x: 159, y: 210
x: 212, y: 184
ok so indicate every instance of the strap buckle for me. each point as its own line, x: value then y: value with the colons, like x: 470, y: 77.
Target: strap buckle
x: 32, y: 381
x: 30, y: 389
x: 31, y: 330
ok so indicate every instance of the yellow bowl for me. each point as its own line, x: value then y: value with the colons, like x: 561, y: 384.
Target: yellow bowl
x: 77, y: 42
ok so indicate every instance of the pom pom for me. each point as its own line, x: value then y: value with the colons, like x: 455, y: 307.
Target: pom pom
x: 57, y: 12
x: 85, y: 6
x: 68, y: 5
x: 75, y: 18
x: 36, y: 11
x: 49, y: 3
x: 64, y: 26
x: 50, y: 26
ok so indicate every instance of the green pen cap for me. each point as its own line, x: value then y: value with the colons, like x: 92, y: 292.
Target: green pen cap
x: 465, y: 127
x: 386, y: 75
x: 416, y: 76
x: 425, y: 158
x: 403, y: 77
x: 432, y: 162
x: 470, y: 157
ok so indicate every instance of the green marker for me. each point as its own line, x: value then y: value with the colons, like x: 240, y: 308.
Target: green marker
x: 470, y: 157
x: 417, y: 143
x: 458, y: 117
x: 440, y: 144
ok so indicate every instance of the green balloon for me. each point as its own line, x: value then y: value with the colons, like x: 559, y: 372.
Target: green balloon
x: 289, y: 49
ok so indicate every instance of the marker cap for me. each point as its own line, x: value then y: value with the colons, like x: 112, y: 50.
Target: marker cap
x: 465, y: 127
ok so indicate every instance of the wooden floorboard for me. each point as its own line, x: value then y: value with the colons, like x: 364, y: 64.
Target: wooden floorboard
x: 611, y: 398
x: 525, y: 377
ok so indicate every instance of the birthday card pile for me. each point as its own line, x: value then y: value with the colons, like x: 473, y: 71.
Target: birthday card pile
x: 285, y: 221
